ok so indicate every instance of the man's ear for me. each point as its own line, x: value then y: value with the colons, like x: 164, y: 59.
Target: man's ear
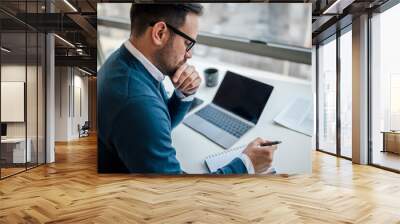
x: 159, y: 34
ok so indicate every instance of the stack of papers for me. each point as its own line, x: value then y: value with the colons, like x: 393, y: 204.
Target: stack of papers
x: 298, y: 116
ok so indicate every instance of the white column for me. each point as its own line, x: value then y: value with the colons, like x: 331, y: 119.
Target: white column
x: 50, y: 99
x: 50, y: 92
x: 360, y: 90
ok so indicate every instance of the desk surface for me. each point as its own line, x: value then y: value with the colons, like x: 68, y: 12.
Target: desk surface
x: 390, y: 132
x: 13, y: 140
x: 292, y: 156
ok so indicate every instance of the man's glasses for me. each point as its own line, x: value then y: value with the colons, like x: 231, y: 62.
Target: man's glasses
x: 180, y: 33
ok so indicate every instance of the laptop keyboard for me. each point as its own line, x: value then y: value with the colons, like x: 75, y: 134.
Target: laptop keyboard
x: 222, y: 120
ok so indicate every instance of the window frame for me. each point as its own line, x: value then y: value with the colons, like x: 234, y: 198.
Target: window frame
x: 333, y: 37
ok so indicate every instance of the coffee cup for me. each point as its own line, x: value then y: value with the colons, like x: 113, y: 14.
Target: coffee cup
x: 211, y: 77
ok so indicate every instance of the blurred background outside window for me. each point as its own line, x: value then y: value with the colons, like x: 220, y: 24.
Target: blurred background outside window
x: 281, y: 24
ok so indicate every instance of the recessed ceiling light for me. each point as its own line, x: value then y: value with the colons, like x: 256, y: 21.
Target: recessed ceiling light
x: 338, y: 6
x: 84, y: 71
x: 64, y: 40
x: 70, y: 5
x: 5, y: 50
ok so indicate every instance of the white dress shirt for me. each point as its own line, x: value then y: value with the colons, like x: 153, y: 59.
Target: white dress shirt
x: 159, y: 76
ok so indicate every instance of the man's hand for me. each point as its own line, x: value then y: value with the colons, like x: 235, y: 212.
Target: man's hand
x: 260, y: 156
x: 186, y: 79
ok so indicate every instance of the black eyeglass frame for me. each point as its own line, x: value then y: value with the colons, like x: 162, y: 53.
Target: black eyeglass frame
x: 182, y: 34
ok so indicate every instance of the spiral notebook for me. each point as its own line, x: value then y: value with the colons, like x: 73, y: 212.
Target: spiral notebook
x: 221, y: 159
x: 218, y: 160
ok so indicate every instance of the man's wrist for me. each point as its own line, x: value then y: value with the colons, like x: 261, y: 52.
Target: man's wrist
x: 247, y: 163
x: 183, y: 96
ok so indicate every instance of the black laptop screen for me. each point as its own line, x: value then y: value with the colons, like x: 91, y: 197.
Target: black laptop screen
x: 243, y: 96
x: 3, y: 129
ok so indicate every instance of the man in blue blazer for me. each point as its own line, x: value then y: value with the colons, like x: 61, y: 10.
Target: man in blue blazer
x: 135, y: 114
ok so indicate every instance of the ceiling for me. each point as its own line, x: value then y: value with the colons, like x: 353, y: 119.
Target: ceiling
x: 73, y: 21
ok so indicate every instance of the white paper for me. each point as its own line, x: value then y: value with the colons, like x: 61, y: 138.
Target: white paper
x: 298, y: 116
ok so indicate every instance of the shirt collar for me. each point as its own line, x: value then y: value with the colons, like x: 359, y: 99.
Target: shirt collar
x: 153, y: 70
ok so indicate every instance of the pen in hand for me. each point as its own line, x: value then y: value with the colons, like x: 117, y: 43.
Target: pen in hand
x: 271, y: 143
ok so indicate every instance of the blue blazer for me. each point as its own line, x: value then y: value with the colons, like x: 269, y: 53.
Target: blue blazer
x: 135, y: 120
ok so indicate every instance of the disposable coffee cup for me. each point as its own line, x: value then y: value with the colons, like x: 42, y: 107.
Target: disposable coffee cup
x: 211, y: 77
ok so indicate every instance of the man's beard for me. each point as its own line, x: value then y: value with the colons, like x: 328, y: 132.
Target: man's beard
x: 164, y: 58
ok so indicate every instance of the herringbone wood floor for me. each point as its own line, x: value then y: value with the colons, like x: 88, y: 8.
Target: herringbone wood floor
x: 70, y: 191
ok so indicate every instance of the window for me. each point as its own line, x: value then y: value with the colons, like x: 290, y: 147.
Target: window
x: 346, y: 93
x: 119, y: 11
x: 394, y: 101
x: 327, y: 96
x: 110, y: 39
x: 385, y: 88
x: 272, y: 23
x: 276, y: 23
x: 264, y: 22
x: 282, y: 67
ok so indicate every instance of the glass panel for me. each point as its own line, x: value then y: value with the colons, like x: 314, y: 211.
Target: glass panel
x: 287, y: 31
x: 346, y: 94
x: 327, y: 96
x: 31, y: 98
x: 280, y: 67
x: 22, y: 64
x: 276, y: 23
x: 386, y: 89
x: 257, y: 21
x: 13, y: 87
x: 111, y: 38
x: 114, y: 10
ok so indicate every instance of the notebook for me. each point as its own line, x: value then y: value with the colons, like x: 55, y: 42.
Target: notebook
x: 218, y: 160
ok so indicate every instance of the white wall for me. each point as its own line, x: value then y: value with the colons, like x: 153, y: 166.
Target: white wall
x: 61, y: 103
x: 80, y: 89
x: 12, y: 73
x: 70, y: 83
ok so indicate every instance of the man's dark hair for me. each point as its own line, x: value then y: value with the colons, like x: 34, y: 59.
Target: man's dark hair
x: 174, y: 14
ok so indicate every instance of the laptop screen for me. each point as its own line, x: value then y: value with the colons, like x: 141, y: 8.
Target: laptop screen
x: 3, y: 129
x: 243, y: 96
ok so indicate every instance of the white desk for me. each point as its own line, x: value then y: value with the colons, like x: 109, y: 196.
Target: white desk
x: 292, y: 156
x: 18, y: 149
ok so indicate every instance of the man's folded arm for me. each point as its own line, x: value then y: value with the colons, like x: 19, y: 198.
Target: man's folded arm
x: 178, y: 106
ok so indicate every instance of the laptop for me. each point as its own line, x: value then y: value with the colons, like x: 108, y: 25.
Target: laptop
x: 235, y: 109
x: 3, y: 131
